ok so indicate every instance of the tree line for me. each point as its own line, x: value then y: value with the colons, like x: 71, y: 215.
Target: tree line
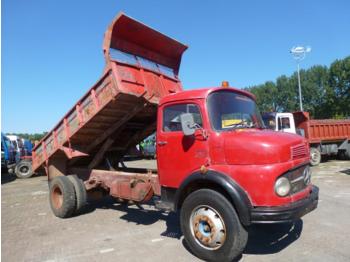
x: 325, y: 91
x: 31, y: 137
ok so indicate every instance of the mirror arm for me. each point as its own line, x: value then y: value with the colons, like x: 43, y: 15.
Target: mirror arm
x: 203, y: 131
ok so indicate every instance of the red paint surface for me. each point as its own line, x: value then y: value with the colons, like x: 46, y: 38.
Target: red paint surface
x: 253, y: 158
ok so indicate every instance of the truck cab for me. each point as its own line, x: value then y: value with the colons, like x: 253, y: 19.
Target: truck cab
x: 22, y: 151
x: 8, y: 153
x: 17, y: 145
x: 229, y: 139
x: 214, y: 140
x: 280, y: 122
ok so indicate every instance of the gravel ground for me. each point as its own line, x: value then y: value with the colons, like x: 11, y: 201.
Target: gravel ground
x: 113, y: 232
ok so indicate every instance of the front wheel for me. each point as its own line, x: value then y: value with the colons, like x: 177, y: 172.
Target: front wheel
x: 24, y: 169
x: 211, y: 226
x: 315, y: 156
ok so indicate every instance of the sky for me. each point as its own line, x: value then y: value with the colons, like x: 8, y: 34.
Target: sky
x: 52, y: 49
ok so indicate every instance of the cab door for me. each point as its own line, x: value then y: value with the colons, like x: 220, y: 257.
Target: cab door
x: 285, y: 123
x: 179, y: 155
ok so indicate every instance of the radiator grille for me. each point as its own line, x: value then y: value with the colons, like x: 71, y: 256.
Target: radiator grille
x: 299, y: 151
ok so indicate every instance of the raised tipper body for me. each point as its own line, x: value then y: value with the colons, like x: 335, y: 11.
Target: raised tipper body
x: 142, y: 66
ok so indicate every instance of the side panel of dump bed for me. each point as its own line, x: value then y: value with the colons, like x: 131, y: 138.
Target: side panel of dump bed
x: 322, y: 130
x: 120, y: 110
x: 329, y: 130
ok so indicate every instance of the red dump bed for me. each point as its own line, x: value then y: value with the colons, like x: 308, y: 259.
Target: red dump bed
x: 120, y: 109
x: 322, y: 130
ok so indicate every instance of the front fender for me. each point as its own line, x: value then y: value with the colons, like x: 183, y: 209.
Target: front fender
x: 226, y: 184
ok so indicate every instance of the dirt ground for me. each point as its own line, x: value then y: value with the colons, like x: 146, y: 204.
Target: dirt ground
x: 109, y: 231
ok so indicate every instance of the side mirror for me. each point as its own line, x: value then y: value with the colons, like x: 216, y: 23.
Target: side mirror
x: 187, y: 124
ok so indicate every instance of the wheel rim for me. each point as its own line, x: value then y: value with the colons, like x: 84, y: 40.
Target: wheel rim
x: 207, y: 227
x: 57, y: 197
x: 24, y: 170
x: 314, y: 156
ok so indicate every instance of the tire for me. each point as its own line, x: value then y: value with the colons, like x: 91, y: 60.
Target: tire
x: 341, y: 155
x: 315, y: 156
x: 62, y: 197
x: 201, y: 211
x: 24, y: 169
x: 347, y: 154
x: 80, y: 193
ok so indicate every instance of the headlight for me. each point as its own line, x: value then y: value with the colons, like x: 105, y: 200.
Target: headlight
x: 282, y: 186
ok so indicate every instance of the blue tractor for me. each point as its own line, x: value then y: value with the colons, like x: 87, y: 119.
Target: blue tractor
x: 8, y: 154
x: 16, y: 156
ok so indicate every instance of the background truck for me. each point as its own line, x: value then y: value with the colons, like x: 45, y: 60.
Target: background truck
x: 208, y: 167
x: 23, y: 163
x: 8, y: 153
x: 325, y: 137
x: 16, y: 156
x: 148, y: 147
x: 22, y: 146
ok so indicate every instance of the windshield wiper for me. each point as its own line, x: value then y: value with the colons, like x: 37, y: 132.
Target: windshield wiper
x: 241, y: 125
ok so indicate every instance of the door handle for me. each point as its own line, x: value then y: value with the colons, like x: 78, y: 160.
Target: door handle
x: 162, y: 143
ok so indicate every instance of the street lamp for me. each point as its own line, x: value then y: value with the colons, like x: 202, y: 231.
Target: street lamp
x: 299, y: 53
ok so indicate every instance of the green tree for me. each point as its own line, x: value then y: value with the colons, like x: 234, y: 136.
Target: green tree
x: 339, y: 81
x: 314, y: 85
x: 31, y: 137
x: 325, y: 92
x: 286, y: 94
x: 266, y: 96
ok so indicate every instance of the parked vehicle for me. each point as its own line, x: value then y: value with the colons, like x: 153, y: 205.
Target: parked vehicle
x: 221, y: 174
x: 17, y: 145
x: 148, y: 147
x: 22, y: 165
x: 22, y: 146
x: 27, y: 147
x: 325, y: 137
x: 8, y: 154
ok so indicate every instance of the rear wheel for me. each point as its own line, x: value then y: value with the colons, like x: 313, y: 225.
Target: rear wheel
x: 62, y: 197
x: 315, y: 156
x: 80, y: 192
x: 24, y: 169
x: 211, y: 226
x: 347, y: 153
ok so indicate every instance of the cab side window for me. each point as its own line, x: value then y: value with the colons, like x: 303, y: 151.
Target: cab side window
x: 283, y: 123
x: 171, y: 116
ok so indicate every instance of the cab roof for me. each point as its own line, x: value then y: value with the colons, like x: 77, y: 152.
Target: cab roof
x: 201, y: 94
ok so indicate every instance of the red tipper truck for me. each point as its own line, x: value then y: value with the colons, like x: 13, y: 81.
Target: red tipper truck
x: 325, y: 136
x: 216, y: 163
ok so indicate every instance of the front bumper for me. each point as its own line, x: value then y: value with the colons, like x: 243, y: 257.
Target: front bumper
x: 286, y: 213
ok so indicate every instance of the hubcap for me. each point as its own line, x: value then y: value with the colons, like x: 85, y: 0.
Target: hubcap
x: 24, y: 170
x: 314, y: 156
x: 57, y: 197
x: 207, y: 227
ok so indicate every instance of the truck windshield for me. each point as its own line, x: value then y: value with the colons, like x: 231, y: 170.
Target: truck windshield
x: 229, y: 110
